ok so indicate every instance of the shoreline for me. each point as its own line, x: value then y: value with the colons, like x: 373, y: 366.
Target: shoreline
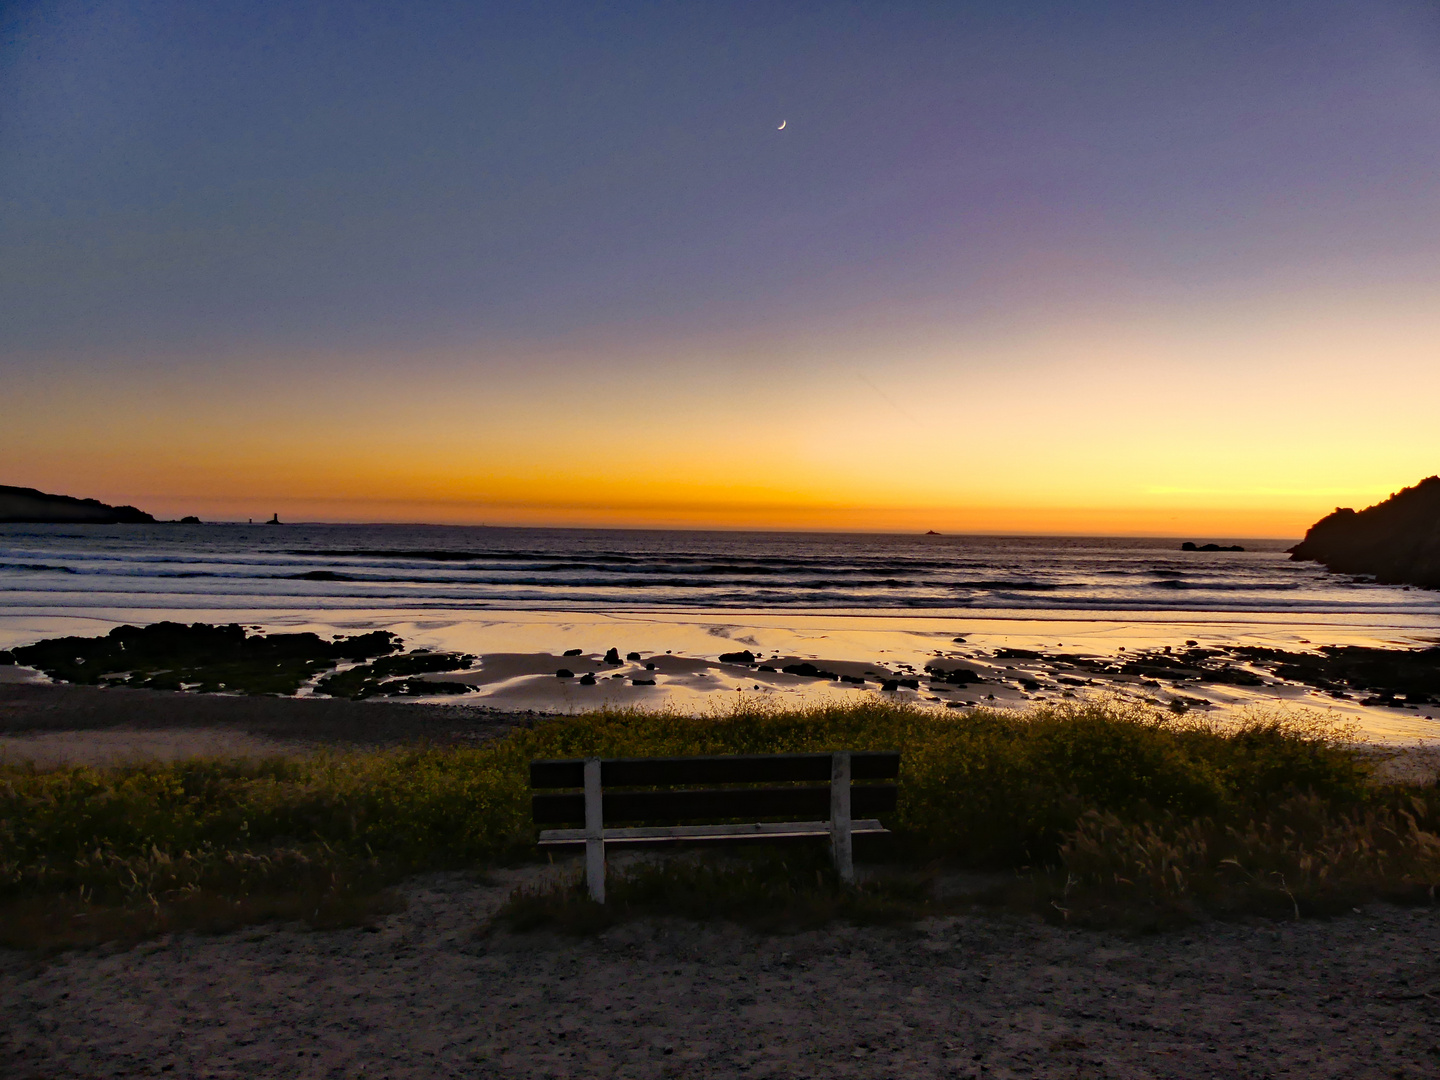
x: 55, y: 725
x: 1020, y: 663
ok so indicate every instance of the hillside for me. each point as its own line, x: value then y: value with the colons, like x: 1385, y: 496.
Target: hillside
x: 28, y: 506
x: 1397, y: 540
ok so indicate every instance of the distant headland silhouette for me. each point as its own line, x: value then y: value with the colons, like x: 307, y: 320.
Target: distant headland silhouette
x: 21, y: 505
x: 1397, y: 541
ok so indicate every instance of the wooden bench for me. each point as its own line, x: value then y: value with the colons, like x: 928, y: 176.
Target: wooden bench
x: 677, y: 795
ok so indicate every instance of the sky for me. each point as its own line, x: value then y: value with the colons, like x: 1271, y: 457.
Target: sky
x: 1160, y: 268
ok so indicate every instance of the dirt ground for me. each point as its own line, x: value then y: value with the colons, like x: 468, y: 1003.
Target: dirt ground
x: 967, y: 996
x: 53, y: 724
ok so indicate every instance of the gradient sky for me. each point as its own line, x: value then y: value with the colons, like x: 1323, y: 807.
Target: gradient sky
x: 1110, y: 267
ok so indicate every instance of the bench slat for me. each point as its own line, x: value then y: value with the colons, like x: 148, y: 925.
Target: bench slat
x: 800, y: 803
x: 718, y: 769
x: 765, y: 830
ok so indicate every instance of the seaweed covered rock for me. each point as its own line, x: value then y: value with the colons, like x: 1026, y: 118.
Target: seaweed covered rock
x: 199, y: 656
x: 1398, y: 540
x: 1391, y: 676
x: 387, y: 676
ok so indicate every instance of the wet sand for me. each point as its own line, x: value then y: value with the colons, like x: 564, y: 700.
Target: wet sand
x: 521, y: 651
x: 966, y: 996
x: 41, y: 721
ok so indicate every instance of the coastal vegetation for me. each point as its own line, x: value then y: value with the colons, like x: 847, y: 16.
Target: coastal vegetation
x: 1097, y: 812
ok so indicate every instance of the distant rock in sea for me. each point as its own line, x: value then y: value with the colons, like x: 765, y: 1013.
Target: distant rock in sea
x: 1398, y: 540
x: 1190, y: 545
x: 30, y: 507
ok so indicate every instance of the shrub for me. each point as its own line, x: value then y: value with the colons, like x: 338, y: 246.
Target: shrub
x: 1103, y: 788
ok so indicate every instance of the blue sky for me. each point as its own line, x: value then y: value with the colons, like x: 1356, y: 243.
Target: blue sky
x: 203, y: 195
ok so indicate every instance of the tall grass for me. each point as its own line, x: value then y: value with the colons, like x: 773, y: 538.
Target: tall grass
x: 1096, y: 789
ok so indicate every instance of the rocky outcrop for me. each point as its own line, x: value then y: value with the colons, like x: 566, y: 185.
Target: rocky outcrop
x: 30, y: 507
x: 1397, y: 541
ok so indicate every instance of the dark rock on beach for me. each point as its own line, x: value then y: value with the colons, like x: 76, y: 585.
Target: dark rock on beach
x: 1397, y: 541
x: 174, y: 656
x: 810, y: 671
x: 894, y: 685
x: 19, y: 505
x: 745, y: 656
x: 564, y: 673
x: 957, y: 676
x: 1392, y: 676
x: 421, y: 688
x: 613, y: 657
x: 588, y: 679
x: 386, y: 676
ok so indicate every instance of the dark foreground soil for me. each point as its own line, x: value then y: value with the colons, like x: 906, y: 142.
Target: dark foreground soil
x: 966, y: 996
x: 32, y: 708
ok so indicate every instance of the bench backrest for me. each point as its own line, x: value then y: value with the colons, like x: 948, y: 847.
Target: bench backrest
x: 806, y: 794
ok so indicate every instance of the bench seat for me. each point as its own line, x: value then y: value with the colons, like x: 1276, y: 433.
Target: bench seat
x: 760, y: 830
x: 668, y: 806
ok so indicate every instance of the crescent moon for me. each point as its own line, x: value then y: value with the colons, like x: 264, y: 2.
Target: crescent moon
x: 782, y: 125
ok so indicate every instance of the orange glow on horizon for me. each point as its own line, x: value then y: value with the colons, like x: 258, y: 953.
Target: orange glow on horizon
x: 1243, y: 423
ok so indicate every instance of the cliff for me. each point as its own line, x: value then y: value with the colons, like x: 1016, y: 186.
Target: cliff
x: 1397, y: 540
x: 26, y: 505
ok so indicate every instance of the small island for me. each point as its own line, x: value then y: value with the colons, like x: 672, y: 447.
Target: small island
x: 1190, y: 545
x: 1396, y: 541
x: 27, y: 506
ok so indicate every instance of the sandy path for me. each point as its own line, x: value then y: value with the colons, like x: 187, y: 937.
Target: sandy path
x: 51, y: 749
x: 955, y: 997
x: 54, y: 724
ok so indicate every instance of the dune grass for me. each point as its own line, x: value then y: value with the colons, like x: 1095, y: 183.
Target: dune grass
x: 1102, y: 809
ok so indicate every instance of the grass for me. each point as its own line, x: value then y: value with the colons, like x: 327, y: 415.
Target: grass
x: 769, y: 889
x: 1106, y: 809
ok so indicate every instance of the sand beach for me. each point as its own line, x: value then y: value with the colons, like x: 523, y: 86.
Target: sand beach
x: 421, y: 995
x: 427, y: 991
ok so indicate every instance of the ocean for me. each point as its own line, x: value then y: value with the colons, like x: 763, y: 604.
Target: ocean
x: 297, y: 569
x: 524, y: 602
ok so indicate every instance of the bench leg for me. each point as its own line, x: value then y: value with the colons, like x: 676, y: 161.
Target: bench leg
x: 841, y: 840
x: 594, y: 832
